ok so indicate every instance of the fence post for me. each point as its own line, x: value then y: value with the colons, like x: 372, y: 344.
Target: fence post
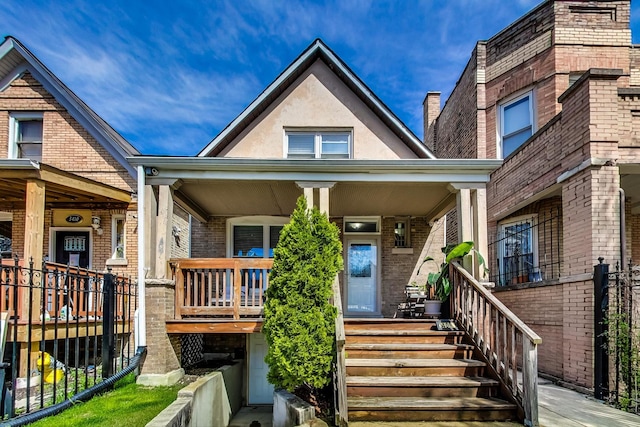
x: 601, y: 307
x: 108, y: 316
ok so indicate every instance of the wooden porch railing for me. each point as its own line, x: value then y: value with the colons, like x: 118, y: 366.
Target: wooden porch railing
x: 77, y: 289
x: 220, y: 287
x: 501, y: 337
x: 342, y: 410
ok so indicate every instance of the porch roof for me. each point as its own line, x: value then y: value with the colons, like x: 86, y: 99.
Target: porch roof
x: 61, y: 188
x: 208, y: 186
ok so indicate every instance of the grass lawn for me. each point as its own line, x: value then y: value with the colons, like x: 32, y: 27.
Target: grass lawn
x: 129, y: 404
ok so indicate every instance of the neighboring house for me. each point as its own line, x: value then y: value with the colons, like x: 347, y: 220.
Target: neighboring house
x: 557, y: 96
x: 316, y: 130
x: 66, y: 188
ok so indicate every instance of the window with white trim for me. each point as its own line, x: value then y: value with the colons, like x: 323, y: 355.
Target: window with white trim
x: 516, y: 123
x: 518, y: 250
x: 364, y: 225
x: 254, y: 236
x: 118, y: 237
x: 318, y: 145
x: 25, y: 136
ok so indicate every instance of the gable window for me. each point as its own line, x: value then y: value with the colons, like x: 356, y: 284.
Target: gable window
x: 26, y: 136
x: 517, y: 250
x: 318, y: 145
x: 516, y: 123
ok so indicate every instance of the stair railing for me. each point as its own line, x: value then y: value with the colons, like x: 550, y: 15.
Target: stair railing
x: 340, y: 383
x: 501, y: 337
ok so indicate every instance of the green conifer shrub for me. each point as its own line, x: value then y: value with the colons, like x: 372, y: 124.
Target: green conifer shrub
x: 299, y: 323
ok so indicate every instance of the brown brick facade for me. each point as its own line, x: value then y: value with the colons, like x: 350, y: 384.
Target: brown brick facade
x: 578, y: 158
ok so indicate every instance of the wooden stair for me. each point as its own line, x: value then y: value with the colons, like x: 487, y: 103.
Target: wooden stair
x: 405, y: 370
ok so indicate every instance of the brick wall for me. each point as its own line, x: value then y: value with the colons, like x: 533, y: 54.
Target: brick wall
x: 180, y: 244
x: 209, y: 240
x: 541, y: 308
x: 68, y: 146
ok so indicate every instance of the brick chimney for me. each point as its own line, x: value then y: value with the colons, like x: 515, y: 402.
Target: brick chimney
x: 431, y: 109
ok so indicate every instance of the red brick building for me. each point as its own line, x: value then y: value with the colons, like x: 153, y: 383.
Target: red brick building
x: 556, y: 96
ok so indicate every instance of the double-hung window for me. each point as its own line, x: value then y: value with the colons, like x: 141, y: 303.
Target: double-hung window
x: 517, y: 250
x: 318, y: 145
x: 26, y: 136
x: 516, y: 123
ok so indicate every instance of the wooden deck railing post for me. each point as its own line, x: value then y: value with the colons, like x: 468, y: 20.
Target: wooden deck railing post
x: 342, y: 417
x: 487, y: 320
x: 237, y: 286
x: 180, y: 284
x: 530, y: 382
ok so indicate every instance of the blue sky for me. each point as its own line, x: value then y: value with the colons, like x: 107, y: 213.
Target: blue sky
x: 170, y: 75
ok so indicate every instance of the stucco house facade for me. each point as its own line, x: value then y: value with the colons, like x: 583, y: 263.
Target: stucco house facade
x: 556, y: 96
x: 317, y: 131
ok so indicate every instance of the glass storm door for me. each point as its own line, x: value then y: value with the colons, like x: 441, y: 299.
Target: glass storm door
x: 362, y: 277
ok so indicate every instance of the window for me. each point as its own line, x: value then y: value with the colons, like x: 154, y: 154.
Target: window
x: 26, y: 136
x: 362, y: 225
x: 318, y: 145
x: 118, y: 237
x: 401, y: 232
x: 6, y: 226
x: 516, y: 123
x: 518, y: 242
x: 254, y: 236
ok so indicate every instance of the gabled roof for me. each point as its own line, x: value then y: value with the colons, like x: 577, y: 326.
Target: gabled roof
x: 317, y: 50
x: 16, y: 59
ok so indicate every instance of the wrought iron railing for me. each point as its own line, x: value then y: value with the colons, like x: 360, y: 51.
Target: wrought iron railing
x: 507, y: 343
x: 63, y: 330
x: 220, y: 287
x: 527, y: 250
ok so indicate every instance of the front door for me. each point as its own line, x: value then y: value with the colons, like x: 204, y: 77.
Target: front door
x: 72, y: 247
x: 260, y: 391
x: 362, y: 278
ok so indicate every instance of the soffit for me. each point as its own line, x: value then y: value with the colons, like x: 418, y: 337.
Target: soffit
x: 234, y: 198
x: 61, y: 188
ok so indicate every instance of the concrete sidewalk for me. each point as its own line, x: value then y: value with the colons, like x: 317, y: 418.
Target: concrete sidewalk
x: 561, y: 407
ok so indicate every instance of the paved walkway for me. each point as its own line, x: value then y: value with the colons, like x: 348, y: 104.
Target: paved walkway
x: 558, y: 407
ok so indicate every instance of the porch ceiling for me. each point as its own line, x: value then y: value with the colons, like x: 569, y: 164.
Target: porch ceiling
x: 234, y: 198
x: 238, y: 187
x: 61, y: 188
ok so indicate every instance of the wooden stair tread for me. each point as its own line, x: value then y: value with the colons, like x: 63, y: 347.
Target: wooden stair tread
x: 407, y: 346
x: 401, y: 332
x: 436, y: 363
x: 446, y: 381
x: 428, y: 403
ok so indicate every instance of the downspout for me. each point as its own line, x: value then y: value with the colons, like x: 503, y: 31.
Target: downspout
x: 142, y: 317
x: 623, y: 236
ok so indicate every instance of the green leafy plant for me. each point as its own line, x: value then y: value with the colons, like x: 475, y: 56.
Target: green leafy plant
x: 299, y: 323
x: 439, y: 281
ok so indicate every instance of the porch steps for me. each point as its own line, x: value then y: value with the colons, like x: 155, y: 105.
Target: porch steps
x: 405, y: 370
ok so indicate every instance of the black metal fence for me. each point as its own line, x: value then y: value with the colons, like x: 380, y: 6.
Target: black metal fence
x: 528, y: 249
x: 617, y: 335
x: 63, y: 330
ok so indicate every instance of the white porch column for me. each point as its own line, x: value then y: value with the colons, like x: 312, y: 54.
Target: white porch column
x: 308, y: 193
x: 324, y: 187
x: 164, y: 224
x: 479, y: 202
x: 324, y: 200
x: 465, y: 222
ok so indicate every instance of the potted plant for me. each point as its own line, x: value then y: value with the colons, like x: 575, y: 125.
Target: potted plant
x: 439, y: 281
